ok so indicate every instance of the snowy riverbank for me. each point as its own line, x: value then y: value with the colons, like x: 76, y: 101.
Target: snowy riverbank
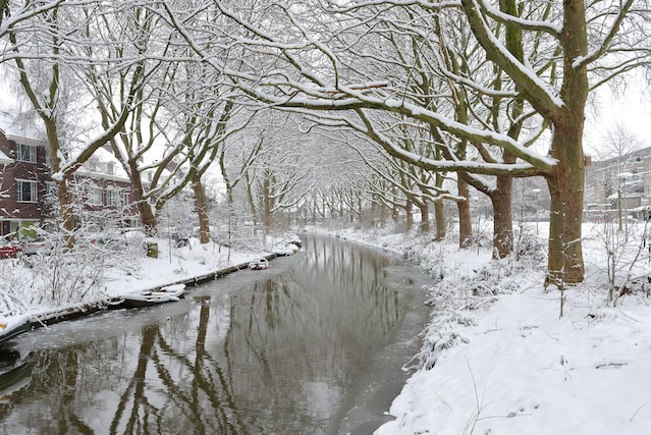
x: 498, y: 359
x: 86, y: 279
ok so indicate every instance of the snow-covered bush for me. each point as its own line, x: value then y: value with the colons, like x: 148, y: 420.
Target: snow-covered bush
x: 66, y: 277
x: 529, y: 248
x: 71, y: 276
x: 459, y: 290
x: 626, y: 255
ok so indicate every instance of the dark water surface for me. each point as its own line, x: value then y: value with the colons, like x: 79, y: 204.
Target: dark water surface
x: 312, y: 345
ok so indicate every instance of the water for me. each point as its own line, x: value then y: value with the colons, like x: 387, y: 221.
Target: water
x: 312, y: 345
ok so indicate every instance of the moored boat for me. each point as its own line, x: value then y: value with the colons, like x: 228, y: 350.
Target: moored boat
x: 14, y: 317
x: 12, y: 325
x: 146, y: 298
x: 15, y: 373
x: 259, y: 264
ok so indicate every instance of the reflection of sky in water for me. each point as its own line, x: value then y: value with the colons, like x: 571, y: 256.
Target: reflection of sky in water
x: 273, y: 351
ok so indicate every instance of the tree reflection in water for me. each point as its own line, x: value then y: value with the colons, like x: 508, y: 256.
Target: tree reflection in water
x: 278, y: 355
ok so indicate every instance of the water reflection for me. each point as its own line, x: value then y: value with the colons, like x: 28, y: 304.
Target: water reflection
x: 277, y: 353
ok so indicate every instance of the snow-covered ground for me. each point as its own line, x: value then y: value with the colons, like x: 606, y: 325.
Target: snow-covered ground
x: 50, y: 283
x: 176, y: 265
x: 498, y: 358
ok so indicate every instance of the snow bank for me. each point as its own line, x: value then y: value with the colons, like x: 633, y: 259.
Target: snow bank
x: 522, y: 370
x: 498, y: 359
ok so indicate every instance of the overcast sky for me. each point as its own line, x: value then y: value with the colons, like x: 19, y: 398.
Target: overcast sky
x: 632, y: 111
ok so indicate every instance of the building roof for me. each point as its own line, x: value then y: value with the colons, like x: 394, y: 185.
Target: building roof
x: 103, y: 165
x: 5, y: 159
x: 626, y: 158
x: 12, y: 125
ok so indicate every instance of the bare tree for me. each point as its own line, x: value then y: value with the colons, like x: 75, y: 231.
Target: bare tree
x: 42, y: 48
x: 171, y: 140
x: 323, y: 61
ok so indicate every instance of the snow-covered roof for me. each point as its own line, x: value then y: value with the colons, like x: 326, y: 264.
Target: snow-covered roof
x: 104, y: 165
x: 12, y: 125
x: 4, y: 158
x: 101, y: 165
x: 25, y: 139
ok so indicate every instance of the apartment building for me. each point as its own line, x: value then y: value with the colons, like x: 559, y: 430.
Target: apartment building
x: 26, y: 186
x: 624, y: 180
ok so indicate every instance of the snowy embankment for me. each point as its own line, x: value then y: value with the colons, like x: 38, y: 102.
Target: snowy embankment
x: 63, y: 284
x: 498, y: 358
x: 179, y: 264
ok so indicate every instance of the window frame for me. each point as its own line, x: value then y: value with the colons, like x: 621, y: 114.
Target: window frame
x: 113, y: 197
x: 95, y: 195
x: 33, y: 154
x: 33, y: 191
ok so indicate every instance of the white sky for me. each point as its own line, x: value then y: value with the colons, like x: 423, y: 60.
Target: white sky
x: 631, y: 110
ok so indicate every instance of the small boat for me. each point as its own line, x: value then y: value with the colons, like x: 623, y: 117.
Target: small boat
x: 12, y: 325
x: 259, y: 264
x: 14, y: 317
x: 15, y: 373
x: 287, y: 251
x: 296, y: 242
x: 146, y: 298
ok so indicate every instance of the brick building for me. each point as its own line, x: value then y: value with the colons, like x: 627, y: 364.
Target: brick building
x: 26, y: 186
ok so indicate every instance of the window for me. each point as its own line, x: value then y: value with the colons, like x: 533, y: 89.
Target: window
x: 125, y: 198
x: 25, y: 153
x: 95, y: 195
x: 26, y: 191
x: 112, y: 197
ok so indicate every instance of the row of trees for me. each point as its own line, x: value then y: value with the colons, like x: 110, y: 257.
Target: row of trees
x: 476, y: 90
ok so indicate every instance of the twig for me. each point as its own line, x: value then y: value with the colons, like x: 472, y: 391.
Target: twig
x: 474, y: 416
x: 630, y: 420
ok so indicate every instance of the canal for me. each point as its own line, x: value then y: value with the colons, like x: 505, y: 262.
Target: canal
x: 315, y: 344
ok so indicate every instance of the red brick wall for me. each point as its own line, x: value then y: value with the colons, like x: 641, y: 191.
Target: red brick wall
x: 9, y: 207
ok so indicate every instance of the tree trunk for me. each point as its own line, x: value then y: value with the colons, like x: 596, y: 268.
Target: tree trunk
x: 463, y: 209
x: 409, y: 215
x: 67, y: 213
x: 439, y: 217
x: 566, y: 182
x: 383, y: 215
x: 249, y: 198
x: 424, y: 217
x: 147, y: 216
x: 565, y: 263
x: 201, y: 207
x: 502, y: 218
x: 64, y: 195
x: 502, y: 225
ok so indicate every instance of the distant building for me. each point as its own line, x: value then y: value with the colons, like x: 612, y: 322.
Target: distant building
x: 625, y: 178
x: 26, y: 186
